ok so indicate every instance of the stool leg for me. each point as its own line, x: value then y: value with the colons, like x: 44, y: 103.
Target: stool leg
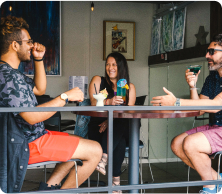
x: 188, y: 178
x: 89, y: 181
x: 76, y: 168
x: 141, y: 169
x: 45, y: 172
x: 218, y: 170
x: 98, y: 180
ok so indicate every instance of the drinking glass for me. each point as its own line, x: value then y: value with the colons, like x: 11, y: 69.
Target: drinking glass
x: 195, y: 69
x: 122, y: 92
x: 100, y: 98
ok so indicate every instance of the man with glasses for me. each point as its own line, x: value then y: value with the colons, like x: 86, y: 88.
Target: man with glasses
x: 18, y: 90
x: 193, y: 147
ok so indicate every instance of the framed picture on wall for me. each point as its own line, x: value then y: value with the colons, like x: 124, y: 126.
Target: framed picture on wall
x: 43, y: 18
x: 168, y: 32
x: 119, y: 37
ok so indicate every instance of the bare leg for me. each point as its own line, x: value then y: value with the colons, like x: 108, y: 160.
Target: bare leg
x: 90, y: 152
x: 197, y: 147
x: 177, y: 148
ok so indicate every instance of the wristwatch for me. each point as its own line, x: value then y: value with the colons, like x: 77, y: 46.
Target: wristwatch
x: 177, y: 103
x: 64, y: 96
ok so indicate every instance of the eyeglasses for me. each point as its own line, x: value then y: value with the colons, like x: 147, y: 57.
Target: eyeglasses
x: 30, y: 42
x: 211, y: 51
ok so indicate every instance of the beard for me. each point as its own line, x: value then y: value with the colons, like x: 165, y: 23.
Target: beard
x: 23, y: 55
x: 216, y: 64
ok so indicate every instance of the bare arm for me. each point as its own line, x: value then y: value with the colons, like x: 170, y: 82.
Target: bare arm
x: 74, y: 94
x: 38, y: 52
x: 170, y: 99
x: 132, y: 95
x: 191, y: 80
x: 208, y: 111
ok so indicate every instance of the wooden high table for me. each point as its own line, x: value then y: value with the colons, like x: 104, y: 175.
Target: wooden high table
x: 134, y: 133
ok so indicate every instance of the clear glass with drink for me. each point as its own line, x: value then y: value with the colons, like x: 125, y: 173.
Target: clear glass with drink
x: 195, y: 69
x: 122, y: 92
x: 100, y: 98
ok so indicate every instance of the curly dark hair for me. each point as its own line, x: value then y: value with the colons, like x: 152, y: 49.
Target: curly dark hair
x: 218, y: 39
x: 10, y: 30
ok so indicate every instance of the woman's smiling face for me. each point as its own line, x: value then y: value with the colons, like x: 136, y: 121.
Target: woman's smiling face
x: 111, y: 68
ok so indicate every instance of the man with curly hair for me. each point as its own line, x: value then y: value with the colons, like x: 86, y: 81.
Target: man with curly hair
x: 194, y: 146
x: 18, y: 90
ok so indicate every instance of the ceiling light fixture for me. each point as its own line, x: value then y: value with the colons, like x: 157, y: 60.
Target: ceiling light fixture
x: 92, y: 6
x: 10, y: 6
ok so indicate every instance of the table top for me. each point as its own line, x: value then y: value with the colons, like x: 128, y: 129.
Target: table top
x: 141, y: 114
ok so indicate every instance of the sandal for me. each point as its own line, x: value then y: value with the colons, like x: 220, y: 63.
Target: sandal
x: 101, y: 167
x: 116, y: 182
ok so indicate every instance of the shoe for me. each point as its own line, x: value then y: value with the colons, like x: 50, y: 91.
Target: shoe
x: 220, y: 185
x: 116, y: 182
x: 44, y: 186
x: 208, y: 191
x: 101, y: 167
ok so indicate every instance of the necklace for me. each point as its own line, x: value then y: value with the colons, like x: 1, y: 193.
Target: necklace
x: 3, y: 61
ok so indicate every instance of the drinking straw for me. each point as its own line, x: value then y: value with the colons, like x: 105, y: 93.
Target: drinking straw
x: 95, y: 87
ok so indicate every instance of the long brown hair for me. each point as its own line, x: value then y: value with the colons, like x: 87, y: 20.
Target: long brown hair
x: 123, y: 71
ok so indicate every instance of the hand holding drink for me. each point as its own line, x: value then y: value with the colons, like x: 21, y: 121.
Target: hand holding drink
x: 195, y: 69
x: 121, y: 89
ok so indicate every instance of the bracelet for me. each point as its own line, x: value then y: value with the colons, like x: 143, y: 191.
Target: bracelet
x: 38, y: 59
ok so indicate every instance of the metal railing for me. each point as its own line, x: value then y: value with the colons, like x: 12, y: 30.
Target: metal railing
x: 110, y: 110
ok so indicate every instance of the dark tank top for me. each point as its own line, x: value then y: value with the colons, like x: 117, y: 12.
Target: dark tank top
x: 109, y: 89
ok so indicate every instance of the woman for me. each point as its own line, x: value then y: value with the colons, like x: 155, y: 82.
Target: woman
x: 116, y: 68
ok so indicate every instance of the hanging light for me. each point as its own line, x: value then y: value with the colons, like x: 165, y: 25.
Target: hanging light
x: 10, y: 6
x: 92, y: 6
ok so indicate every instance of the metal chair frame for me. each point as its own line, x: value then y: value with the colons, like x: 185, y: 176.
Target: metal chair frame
x: 76, y: 162
x: 218, y: 169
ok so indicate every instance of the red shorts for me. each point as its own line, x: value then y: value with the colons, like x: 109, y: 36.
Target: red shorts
x: 213, y: 135
x: 53, y: 146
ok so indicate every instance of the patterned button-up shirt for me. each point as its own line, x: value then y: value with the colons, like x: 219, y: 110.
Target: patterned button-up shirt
x: 16, y: 90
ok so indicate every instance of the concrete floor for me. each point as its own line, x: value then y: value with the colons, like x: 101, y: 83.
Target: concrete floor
x: 162, y: 172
